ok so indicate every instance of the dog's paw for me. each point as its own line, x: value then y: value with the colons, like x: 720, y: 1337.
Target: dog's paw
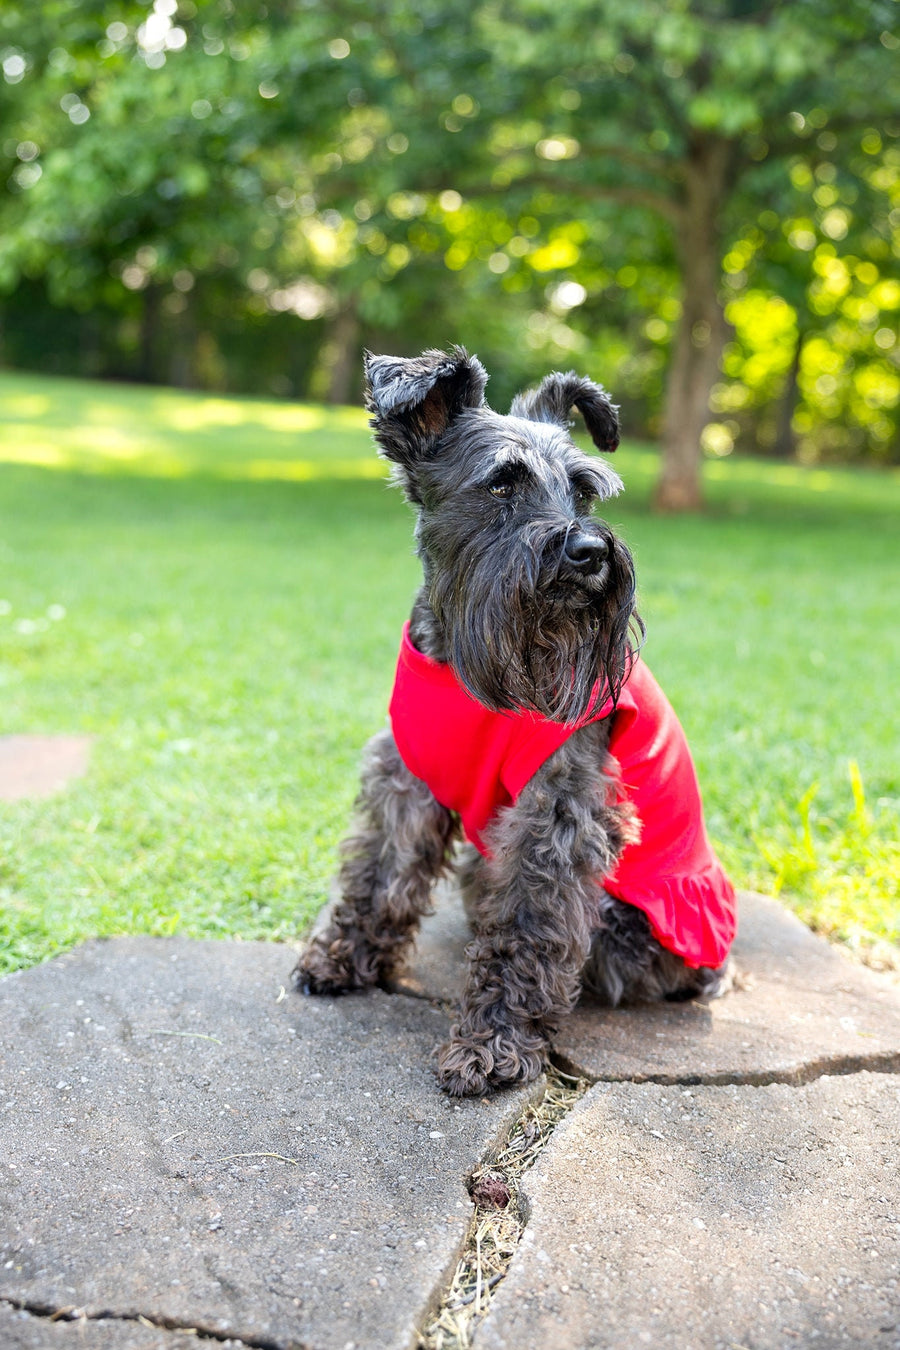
x: 469, y: 1068
x: 463, y: 1069
x: 324, y: 969
x: 720, y: 982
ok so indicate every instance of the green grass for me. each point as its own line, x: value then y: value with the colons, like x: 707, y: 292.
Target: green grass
x: 233, y: 575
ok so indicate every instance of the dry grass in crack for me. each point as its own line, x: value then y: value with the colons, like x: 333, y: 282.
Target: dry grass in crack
x: 499, y: 1220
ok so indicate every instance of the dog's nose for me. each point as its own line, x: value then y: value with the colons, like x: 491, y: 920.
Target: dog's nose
x: 585, y: 552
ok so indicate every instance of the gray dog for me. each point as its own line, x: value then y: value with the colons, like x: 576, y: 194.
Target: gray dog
x: 523, y: 718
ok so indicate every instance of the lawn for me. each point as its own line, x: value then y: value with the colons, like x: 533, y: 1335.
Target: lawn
x: 213, y: 587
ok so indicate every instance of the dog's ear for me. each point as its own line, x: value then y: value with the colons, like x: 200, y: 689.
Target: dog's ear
x: 558, y: 394
x: 413, y: 400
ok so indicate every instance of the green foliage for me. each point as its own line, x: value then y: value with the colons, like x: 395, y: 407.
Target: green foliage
x: 243, y: 195
x: 845, y: 866
x: 214, y: 588
x: 814, y: 300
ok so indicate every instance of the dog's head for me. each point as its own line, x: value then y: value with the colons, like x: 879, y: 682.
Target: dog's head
x: 533, y: 593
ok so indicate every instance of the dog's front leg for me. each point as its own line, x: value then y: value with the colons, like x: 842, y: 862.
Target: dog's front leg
x: 535, y: 908
x: 389, y: 864
x: 523, y: 975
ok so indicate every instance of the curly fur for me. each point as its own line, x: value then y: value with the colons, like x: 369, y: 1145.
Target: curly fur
x: 530, y: 598
x: 388, y: 868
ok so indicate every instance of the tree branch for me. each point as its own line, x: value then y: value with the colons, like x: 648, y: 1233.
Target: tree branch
x: 627, y: 193
x: 656, y: 165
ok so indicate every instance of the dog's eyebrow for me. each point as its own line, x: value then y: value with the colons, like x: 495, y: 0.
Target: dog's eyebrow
x: 589, y: 477
x: 597, y: 477
x: 517, y: 459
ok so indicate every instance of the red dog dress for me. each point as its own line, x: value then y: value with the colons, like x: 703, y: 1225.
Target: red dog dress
x: 476, y: 762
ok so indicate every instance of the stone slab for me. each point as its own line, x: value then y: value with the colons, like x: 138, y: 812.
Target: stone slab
x: 182, y: 1140
x: 712, y: 1218
x: 38, y: 766
x: 803, y: 1008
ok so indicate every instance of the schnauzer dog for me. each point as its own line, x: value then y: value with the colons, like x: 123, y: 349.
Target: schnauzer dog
x: 524, y: 718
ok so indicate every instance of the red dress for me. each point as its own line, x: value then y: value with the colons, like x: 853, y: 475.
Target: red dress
x: 476, y: 761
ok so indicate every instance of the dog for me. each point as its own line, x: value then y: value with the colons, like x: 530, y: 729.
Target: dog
x: 524, y: 718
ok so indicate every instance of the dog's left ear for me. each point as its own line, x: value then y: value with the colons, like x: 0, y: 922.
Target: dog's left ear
x: 413, y: 400
x: 558, y: 394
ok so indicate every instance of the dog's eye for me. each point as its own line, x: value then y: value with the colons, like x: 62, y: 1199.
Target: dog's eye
x: 585, y: 497
x: 502, y: 490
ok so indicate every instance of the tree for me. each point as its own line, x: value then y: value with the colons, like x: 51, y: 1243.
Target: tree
x: 585, y: 173
x: 689, y: 111
x: 176, y: 158
x: 814, y: 307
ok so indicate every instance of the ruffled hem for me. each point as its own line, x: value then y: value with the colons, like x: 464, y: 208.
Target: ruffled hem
x: 694, y: 916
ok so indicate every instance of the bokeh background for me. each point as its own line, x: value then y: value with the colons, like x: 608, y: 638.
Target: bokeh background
x: 698, y: 203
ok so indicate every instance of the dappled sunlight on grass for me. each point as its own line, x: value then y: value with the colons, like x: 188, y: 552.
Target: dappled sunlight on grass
x: 25, y: 406
x: 205, y: 413
x: 114, y: 453
x: 102, y: 428
x: 114, y: 429
x: 761, y: 472
x: 305, y: 470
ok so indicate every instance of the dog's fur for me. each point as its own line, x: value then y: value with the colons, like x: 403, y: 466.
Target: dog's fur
x: 530, y: 598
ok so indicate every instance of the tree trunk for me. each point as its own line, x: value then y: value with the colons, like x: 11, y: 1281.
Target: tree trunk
x: 341, y: 352
x: 149, y: 332
x: 702, y: 331
x: 785, y: 446
x: 182, y: 335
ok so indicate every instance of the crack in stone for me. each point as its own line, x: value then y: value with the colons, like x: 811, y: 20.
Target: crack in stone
x: 501, y: 1211
x: 840, y: 1066
x: 837, y: 1066
x: 500, y: 1215
x: 48, y: 1312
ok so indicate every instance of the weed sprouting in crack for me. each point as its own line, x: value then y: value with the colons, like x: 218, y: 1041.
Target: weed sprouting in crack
x: 500, y: 1215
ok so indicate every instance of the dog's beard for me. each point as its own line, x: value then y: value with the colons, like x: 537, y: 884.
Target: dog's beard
x: 526, y: 636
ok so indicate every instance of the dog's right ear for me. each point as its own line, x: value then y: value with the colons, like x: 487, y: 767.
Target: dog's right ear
x: 413, y: 400
x: 558, y: 394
